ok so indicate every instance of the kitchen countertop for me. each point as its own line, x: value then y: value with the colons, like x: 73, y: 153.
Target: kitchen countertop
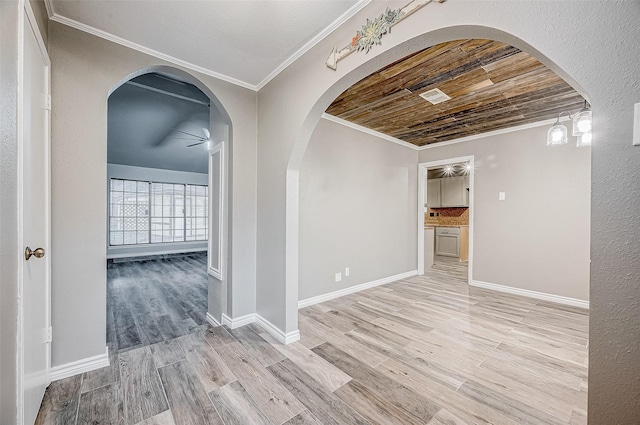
x: 447, y: 225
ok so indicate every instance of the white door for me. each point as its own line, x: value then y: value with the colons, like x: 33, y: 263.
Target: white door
x: 35, y: 222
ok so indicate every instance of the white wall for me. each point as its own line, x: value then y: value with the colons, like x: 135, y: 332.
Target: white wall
x: 358, y: 196
x: 591, y: 44
x: 84, y: 70
x: 118, y: 171
x: 538, y: 238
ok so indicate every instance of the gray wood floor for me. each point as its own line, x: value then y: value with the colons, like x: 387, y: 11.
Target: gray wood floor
x: 149, y: 301
x: 425, y: 350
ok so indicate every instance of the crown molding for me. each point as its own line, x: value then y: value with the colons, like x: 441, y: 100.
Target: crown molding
x: 361, y: 4
x: 123, y: 42
x: 188, y: 65
x: 49, y: 6
x: 368, y: 131
x: 492, y: 133
x: 439, y: 144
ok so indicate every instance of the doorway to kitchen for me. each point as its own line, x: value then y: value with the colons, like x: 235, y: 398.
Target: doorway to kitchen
x: 445, y: 216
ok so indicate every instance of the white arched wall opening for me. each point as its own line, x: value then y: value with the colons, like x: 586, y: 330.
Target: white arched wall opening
x: 220, y: 127
x: 295, y: 161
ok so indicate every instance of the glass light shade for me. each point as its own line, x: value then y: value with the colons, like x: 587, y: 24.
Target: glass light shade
x: 557, y: 134
x: 582, y: 122
x: 208, y: 145
x: 584, y: 139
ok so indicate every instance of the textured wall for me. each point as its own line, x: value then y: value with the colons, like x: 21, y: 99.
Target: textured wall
x: 358, y: 197
x: 538, y: 237
x: 593, y: 45
x: 9, y: 248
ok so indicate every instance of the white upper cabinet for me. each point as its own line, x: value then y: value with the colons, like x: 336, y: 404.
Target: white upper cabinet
x: 433, y: 193
x: 448, y: 192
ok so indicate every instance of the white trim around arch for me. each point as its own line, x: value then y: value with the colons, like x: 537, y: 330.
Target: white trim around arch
x: 215, y: 257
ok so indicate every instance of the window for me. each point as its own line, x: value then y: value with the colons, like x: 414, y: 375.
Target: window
x: 144, y: 212
x: 197, y: 213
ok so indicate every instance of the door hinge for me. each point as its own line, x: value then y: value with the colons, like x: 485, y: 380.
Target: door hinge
x: 46, y: 102
x: 49, y: 334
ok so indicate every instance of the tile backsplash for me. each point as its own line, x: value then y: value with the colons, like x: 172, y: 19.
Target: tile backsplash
x: 447, y: 217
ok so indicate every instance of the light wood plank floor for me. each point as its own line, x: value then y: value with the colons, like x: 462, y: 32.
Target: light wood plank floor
x: 425, y: 350
x: 452, y: 266
x: 149, y: 301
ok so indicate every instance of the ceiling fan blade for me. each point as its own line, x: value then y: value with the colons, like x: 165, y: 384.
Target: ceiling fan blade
x: 195, y: 144
x: 184, y: 132
x: 180, y: 138
x: 206, y: 133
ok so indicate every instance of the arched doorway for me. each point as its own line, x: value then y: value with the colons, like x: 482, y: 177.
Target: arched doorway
x: 168, y: 138
x: 295, y: 160
x: 293, y: 174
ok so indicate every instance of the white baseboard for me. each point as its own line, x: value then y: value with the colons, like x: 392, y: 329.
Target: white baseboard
x: 356, y: 288
x: 282, y: 337
x: 238, y: 321
x: 531, y: 294
x: 212, y: 320
x: 79, y: 366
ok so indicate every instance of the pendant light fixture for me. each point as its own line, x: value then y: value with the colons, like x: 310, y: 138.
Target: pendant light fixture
x: 582, y: 120
x: 584, y: 140
x: 557, y: 134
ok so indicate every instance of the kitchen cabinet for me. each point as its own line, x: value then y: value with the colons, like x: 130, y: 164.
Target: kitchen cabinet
x: 448, y: 192
x: 448, y: 241
x: 433, y: 193
x: 429, y: 247
x: 464, y: 243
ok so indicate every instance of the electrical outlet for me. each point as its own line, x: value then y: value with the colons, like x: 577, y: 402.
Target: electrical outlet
x: 501, y: 196
x: 338, y: 277
x: 346, y: 271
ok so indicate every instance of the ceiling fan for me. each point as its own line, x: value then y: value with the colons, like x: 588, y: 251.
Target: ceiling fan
x: 194, y: 137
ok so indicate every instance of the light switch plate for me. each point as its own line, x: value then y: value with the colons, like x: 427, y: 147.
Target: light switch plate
x: 501, y: 196
x: 338, y: 276
x: 636, y: 125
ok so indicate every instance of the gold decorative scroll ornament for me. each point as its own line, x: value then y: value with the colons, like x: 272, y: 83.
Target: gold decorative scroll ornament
x: 372, y: 32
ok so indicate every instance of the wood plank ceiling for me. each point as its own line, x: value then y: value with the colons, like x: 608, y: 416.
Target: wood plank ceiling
x: 492, y: 86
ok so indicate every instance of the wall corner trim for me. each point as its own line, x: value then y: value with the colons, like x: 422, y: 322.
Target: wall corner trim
x: 531, y: 294
x: 369, y: 131
x: 238, y: 322
x: 212, y: 320
x: 79, y: 366
x: 282, y: 337
x: 277, y: 333
x: 357, y: 288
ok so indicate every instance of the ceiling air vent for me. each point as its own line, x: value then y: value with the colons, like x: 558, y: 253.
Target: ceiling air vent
x: 434, y: 96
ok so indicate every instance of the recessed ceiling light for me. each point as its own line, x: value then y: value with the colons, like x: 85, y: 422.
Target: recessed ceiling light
x: 435, y: 96
x: 448, y: 170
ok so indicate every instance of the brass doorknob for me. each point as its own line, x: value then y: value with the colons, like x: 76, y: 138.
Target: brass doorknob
x: 28, y: 253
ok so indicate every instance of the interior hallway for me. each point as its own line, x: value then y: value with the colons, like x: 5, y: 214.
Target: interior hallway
x: 425, y: 350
